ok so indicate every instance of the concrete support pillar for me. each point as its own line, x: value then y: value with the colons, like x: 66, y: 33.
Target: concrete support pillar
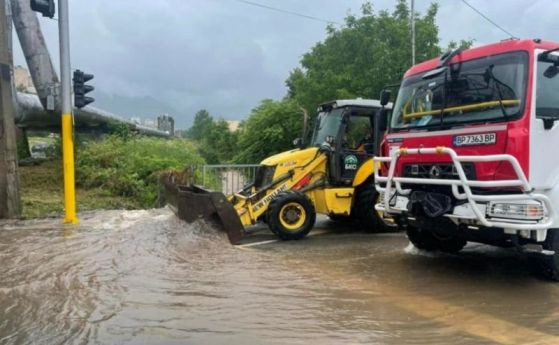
x: 36, y: 53
x: 10, y: 203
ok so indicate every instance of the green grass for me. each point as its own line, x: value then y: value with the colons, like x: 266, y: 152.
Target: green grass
x: 41, y: 140
x: 115, y: 173
x: 42, y: 193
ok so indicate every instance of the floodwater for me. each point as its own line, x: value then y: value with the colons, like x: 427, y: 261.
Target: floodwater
x: 144, y: 277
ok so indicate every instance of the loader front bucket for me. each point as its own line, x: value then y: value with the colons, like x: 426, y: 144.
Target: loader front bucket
x: 191, y: 203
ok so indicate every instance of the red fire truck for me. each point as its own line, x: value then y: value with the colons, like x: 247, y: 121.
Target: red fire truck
x: 472, y: 151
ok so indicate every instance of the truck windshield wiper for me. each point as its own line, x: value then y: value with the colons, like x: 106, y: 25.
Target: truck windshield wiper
x: 543, y: 56
x: 489, y: 72
x: 445, y: 101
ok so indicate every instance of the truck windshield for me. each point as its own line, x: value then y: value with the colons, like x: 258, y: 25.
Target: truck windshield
x: 481, y: 90
x: 327, y: 124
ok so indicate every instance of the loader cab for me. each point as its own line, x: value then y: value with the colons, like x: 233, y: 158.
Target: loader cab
x: 346, y: 130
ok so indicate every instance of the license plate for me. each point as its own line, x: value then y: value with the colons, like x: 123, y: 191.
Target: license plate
x: 475, y: 139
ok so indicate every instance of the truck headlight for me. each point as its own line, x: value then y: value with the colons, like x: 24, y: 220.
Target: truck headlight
x: 528, y: 211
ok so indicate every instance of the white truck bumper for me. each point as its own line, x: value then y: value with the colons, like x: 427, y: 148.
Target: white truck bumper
x: 528, y: 214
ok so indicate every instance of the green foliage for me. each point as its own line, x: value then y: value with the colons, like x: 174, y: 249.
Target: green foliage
x: 464, y: 44
x: 22, y: 146
x: 129, y: 167
x: 368, y: 53
x: 216, y: 143
x: 270, y: 129
x: 42, y: 193
x: 55, y: 149
x: 203, y: 121
x: 120, y: 130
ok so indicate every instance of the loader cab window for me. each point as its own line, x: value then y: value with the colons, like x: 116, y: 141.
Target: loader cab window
x: 327, y: 124
x: 358, y: 130
x: 547, y: 90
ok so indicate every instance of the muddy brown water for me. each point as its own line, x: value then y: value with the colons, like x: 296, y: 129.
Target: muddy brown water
x: 144, y: 277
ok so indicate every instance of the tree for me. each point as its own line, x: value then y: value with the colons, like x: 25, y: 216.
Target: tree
x: 216, y: 143
x: 366, y: 54
x: 464, y: 44
x: 202, y: 123
x: 270, y: 129
x: 219, y: 144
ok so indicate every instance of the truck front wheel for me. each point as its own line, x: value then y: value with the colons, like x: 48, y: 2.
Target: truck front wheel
x: 428, y: 240
x: 549, y: 264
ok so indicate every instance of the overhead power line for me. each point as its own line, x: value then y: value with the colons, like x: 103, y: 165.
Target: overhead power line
x: 488, y: 19
x: 301, y: 15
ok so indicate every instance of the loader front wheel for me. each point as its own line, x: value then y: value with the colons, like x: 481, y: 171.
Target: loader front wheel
x: 291, y: 216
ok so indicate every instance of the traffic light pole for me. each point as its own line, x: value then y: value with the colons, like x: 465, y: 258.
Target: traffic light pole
x: 67, y: 118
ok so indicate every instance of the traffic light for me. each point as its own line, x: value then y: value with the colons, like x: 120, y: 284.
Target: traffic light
x: 45, y: 7
x: 80, y: 89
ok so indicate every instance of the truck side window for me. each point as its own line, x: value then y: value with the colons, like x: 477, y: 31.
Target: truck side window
x: 547, y: 91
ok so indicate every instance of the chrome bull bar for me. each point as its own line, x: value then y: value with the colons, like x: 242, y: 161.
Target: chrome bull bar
x: 395, y: 183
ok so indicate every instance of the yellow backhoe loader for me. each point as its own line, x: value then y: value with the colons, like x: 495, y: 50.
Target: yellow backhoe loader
x: 332, y: 175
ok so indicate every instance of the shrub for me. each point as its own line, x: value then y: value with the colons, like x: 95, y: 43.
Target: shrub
x: 129, y: 167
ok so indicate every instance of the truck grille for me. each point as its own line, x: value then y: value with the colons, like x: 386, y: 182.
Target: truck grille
x: 445, y: 171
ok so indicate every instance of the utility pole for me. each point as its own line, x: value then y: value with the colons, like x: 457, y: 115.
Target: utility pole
x: 67, y: 118
x: 412, y: 25
x: 10, y: 203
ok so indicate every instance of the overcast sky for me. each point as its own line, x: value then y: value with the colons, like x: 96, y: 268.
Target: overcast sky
x: 226, y: 56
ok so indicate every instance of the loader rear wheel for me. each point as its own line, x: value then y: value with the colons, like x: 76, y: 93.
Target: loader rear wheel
x: 291, y: 216
x: 366, y: 197
x: 549, y: 264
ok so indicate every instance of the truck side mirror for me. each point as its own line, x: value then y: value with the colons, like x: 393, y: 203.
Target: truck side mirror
x: 381, y: 125
x: 551, y: 71
x: 299, y: 143
x: 385, y: 97
x: 382, y: 120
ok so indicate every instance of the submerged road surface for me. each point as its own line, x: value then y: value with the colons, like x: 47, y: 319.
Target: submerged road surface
x: 144, y: 277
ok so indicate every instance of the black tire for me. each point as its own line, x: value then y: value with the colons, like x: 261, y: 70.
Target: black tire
x: 429, y: 241
x: 452, y: 245
x: 284, y: 209
x: 549, y: 264
x: 338, y: 218
x: 363, y: 210
x: 421, y: 238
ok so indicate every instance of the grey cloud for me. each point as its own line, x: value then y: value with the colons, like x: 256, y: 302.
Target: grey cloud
x: 226, y: 56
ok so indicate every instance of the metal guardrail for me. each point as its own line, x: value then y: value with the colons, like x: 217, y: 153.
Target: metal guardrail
x: 227, y: 178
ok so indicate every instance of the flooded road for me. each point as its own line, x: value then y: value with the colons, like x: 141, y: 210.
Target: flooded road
x: 144, y: 277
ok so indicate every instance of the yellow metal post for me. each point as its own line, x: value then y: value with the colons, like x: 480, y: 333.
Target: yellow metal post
x: 68, y: 161
x: 67, y: 119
